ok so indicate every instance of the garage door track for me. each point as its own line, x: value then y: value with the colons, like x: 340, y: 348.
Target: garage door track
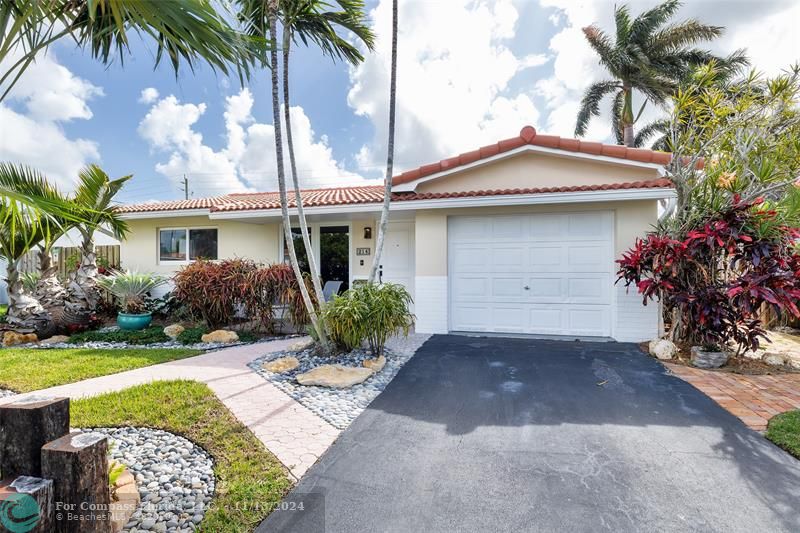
x: 491, y: 434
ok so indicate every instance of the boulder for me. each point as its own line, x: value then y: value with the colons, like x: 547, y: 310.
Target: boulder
x: 336, y: 376
x: 281, y: 365
x: 55, y: 339
x: 704, y: 359
x: 774, y: 359
x: 221, y: 335
x: 376, y: 364
x: 172, y: 331
x: 663, y: 349
x: 301, y: 345
x: 12, y: 337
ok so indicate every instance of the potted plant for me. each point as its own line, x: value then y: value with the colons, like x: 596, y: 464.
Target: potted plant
x: 130, y: 289
x: 709, y: 356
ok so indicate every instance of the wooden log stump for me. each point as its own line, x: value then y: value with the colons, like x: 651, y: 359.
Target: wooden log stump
x: 26, y: 504
x: 78, y: 465
x: 25, y: 426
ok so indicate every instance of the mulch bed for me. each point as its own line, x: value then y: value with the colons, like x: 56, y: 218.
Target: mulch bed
x: 735, y: 365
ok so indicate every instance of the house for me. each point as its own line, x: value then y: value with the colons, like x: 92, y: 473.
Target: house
x: 516, y: 237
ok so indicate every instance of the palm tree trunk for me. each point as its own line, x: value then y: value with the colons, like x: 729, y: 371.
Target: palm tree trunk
x: 301, y: 215
x: 628, y: 137
x: 287, y: 226
x: 49, y: 290
x: 24, y: 311
x: 82, y: 292
x: 387, y: 195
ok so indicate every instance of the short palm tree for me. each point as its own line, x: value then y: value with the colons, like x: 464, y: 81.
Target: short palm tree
x: 649, y: 56
x: 31, y: 211
x: 185, y: 31
x: 49, y: 290
x: 94, y: 196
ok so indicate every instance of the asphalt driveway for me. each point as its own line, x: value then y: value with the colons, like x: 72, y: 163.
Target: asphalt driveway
x: 490, y: 434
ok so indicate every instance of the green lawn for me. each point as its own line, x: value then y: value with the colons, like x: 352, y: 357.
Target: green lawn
x: 784, y: 430
x: 3, y: 309
x: 27, y: 369
x: 249, y: 479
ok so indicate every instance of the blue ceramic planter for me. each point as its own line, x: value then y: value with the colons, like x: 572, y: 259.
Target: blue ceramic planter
x: 133, y: 322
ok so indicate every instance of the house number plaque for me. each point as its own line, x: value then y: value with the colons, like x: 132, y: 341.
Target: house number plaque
x: 362, y: 251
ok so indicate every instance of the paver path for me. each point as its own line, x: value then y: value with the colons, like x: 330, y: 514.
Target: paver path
x: 289, y: 430
x: 754, y: 399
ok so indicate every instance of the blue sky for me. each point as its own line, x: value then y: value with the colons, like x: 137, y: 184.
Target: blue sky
x: 470, y: 73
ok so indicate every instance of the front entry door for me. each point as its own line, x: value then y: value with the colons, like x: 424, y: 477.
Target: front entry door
x: 397, y: 261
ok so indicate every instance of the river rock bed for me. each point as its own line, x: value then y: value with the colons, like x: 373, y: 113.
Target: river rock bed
x: 100, y: 345
x: 339, y: 407
x: 174, y: 476
x: 5, y: 393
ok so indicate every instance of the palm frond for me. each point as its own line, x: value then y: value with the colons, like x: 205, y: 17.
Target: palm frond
x: 648, y: 22
x: 95, y: 196
x: 657, y: 126
x: 686, y: 33
x: 604, y: 46
x: 590, y: 104
x: 616, y: 117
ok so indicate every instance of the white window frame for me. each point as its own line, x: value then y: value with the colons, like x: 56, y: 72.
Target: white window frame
x: 188, y: 244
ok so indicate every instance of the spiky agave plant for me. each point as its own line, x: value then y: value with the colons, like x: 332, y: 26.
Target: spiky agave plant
x: 131, y: 288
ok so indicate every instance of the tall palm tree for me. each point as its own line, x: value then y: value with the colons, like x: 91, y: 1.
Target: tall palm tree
x: 27, y: 201
x: 95, y: 197
x: 387, y: 195
x: 649, y: 56
x: 309, y: 20
x: 272, y: 10
x: 187, y: 31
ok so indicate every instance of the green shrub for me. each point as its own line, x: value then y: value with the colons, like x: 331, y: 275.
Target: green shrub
x: 369, y: 312
x: 192, y: 335
x: 131, y: 288
x: 149, y: 335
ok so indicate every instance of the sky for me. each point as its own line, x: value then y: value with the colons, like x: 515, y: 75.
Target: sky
x: 470, y: 72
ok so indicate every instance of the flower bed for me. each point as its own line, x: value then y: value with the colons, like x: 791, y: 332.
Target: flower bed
x: 340, y: 407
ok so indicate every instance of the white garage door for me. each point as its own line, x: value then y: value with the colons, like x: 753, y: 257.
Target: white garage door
x: 548, y: 274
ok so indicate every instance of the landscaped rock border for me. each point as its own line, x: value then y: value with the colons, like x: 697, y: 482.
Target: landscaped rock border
x: 174, y: 476
x: 204, y: 346
x: 340, y: 407
x: 5, y: 393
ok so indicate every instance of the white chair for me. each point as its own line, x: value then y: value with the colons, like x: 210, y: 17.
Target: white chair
x: 330, y: 289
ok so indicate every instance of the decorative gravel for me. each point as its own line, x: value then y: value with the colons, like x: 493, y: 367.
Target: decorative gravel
x: 174, y: 477
x: 5, y: 393
x: 99, y: 345
x: 340, y: 407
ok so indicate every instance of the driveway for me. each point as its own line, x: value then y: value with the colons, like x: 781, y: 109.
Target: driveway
x: 491, y: 434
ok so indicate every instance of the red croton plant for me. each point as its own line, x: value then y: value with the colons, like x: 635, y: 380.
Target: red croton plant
x: 719, y: 274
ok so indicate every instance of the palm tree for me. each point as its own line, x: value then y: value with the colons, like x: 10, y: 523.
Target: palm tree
x: 271, y: 21
x: 187, y: 31
x: 50, y: 292
x: 26, y: 203
x: 94, y: 196
x: 647, y: 56
x: 308, y: 20
x: 387, y: 195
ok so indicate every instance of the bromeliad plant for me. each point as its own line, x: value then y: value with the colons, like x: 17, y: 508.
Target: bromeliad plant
x: 719, y: 274
x: 131, y: 289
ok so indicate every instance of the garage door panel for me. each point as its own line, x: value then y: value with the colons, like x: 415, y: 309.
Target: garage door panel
x: 554, y: 278
x: 471, y: 318
x: 472, y: 258
x: 508, y: 258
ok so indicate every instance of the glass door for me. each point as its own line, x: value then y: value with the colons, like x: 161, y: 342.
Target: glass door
x: 334, y: 251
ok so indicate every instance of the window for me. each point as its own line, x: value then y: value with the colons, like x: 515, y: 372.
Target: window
x: 178, y: 244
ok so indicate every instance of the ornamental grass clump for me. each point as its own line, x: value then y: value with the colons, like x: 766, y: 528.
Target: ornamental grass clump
x: 370, y: 312
x: 131, y: 288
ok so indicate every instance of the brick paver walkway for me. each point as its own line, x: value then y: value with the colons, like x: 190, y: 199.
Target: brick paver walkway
x: 754, y: 399
x: 288, y: 429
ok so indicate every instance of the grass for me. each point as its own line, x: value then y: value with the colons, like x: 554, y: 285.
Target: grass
x: 249, y: 479
x: 28, y: 369
x: 784, y: 430
x: 3, y: 309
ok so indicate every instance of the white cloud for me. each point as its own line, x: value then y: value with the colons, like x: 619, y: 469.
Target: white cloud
x: 149, y: 95
x: 453, y: 86
x: 247, y: 161
x: 46, y: 96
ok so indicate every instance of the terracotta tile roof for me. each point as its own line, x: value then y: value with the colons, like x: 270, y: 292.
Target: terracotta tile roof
x: 528, y: 136
x: 368, y: 194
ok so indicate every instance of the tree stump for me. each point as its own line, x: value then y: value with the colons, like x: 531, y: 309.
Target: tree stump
x: 25, y: 426
x: 26, y: 504
x: 78, y: 464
